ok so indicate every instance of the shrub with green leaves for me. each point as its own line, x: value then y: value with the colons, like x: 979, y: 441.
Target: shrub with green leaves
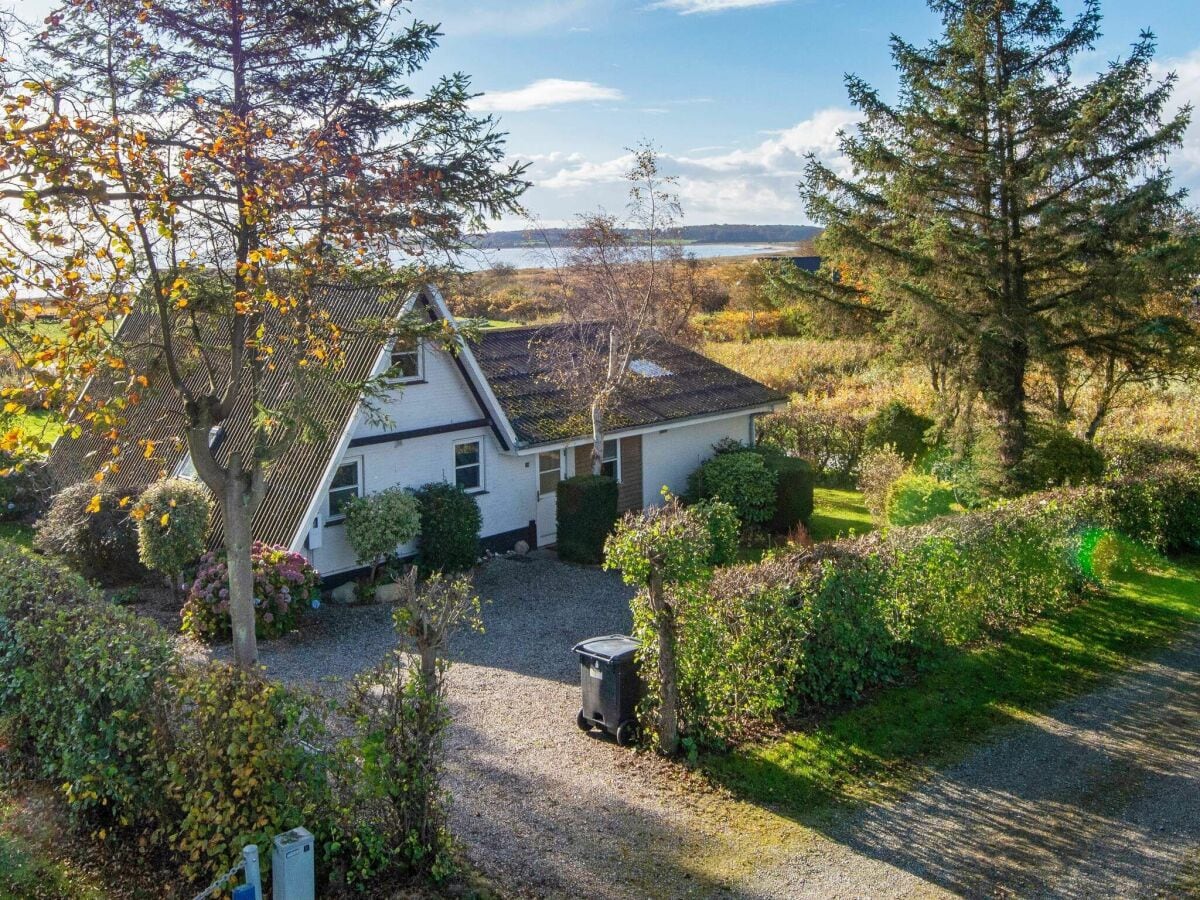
x: 900, y: 427
x: 586, y: 513
x: 1056, y: 458
x: 377, y: 525
x: 450, y: 523
x: 913, y: 499
x: 795, y: 481
x: 1160, y: 508
x: 172, y: 524
x: 879, y: 470
x: 742, y: 479
x: 89, y: 526
x: 724, y: 530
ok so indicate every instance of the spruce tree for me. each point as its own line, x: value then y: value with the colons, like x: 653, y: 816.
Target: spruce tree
x: 1000, y: 214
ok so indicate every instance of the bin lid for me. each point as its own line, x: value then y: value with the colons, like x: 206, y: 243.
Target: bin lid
x: 609, y: 647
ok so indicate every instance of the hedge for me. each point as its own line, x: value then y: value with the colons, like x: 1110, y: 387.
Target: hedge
x: 89, y: 526
x: 586, y: 513
x: 188, y: 762
x: 814, y: 629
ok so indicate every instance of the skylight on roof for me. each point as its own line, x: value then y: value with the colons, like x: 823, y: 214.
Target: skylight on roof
x: 648, y: 369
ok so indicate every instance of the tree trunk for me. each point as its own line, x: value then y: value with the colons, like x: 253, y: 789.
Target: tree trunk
x: 597, y: 437
x: 1003, y: 387
x: 664, y: 624
x: 236, y: 512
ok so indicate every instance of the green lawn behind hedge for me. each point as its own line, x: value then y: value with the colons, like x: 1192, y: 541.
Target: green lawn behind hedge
x: 877, y: 749
x: 838, y: 513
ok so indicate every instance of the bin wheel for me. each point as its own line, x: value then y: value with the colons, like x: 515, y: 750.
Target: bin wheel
x: 583, y: 723
x: 626, y: 733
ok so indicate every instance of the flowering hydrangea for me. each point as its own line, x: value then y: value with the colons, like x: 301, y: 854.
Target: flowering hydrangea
x: 283, y: 581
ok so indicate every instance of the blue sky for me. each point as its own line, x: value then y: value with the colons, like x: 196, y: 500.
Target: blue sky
x: 733, y: 92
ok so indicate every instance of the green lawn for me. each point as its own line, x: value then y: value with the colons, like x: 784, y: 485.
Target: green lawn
x: 837, y: 513
x: 877, y: 749
x: 16, y: 533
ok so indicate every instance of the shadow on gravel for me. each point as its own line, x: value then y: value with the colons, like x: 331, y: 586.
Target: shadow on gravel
x: 1103, y: 800
x: 541, y: 833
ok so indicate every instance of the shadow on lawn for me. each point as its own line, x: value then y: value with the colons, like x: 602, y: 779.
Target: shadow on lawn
x: 1095, y: 779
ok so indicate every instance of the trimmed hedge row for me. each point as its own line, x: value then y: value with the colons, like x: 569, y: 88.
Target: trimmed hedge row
x: 815, y: 629
x: 196, y: 760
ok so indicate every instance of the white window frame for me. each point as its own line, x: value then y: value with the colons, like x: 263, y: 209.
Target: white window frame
x: 419, y: 352
x: 615, y: 458
x: 357, y: 462
x: 479, y: 442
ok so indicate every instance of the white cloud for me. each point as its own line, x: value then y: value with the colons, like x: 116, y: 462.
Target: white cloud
x: 757, y: 184
x: 543, y: 94
x: 1186, y: 160
x: 690, y: 7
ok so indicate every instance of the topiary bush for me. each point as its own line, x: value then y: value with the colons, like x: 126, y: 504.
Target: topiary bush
x: 900, y: 427
x: 284, y: 582
x: 913, y: 499
x: 376, y: 526
x: 795, y: 481
x: 172, y: 524
x: 586, y: 514
x: 1056, y: 458
x: 89, y: 526
x: 450, y: 523
x: 743, y: 480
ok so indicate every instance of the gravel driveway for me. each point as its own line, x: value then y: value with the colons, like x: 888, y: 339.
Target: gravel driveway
x: 1099, y: 798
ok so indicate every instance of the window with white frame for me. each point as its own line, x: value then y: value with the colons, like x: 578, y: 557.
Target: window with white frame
x: 347, y: 484
x: 610, y: 465
x: 406, y: 359
x: 468, y: 465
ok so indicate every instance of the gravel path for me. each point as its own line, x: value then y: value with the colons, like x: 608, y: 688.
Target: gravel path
x: 1100, y: 798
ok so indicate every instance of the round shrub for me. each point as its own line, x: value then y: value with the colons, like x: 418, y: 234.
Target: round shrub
x: 794, y: 484
x: 172, y: 523
x: 741, y: 479
x: 283, y: 582
x: 586, y: 513
x: 1056, y: 458
x: 450, y: 523
x: 913, y: 499
x: 89, y: 526
x: 379, y: 524
x: 900, y: 427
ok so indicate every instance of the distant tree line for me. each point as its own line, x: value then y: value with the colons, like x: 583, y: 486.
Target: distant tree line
x: 708, y: 234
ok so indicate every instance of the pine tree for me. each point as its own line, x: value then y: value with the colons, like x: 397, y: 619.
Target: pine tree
x: 1000, y: 214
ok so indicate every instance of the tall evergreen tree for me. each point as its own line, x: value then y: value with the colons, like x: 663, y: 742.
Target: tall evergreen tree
x: 1001, y: 213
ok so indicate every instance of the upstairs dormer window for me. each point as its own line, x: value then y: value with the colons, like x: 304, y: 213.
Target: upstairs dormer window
x: 406, y: 359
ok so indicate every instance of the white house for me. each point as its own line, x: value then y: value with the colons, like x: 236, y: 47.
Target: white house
x: 485, y: 418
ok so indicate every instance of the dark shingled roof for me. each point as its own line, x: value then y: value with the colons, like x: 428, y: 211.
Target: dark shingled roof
x: 291, y: 480
x: 541, y: 412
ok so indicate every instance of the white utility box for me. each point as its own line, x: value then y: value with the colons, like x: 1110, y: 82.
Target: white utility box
x: 293, y: 872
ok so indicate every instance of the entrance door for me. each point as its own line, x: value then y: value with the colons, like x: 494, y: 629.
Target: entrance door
x: 549, y: 472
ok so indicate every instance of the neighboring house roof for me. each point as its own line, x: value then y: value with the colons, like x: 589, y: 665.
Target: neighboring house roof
x: 674, y: 383
x: 157, y: 417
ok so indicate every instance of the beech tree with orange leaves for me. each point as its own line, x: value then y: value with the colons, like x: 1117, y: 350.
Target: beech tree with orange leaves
x: 211, y: 164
